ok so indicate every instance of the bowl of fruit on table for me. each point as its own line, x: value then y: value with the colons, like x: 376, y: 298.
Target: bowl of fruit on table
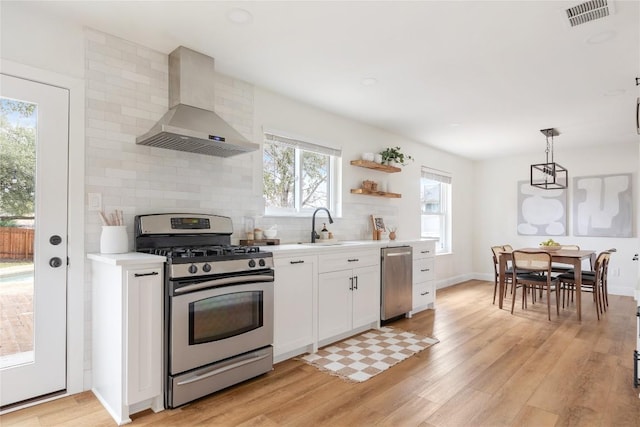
x: 550, y: 245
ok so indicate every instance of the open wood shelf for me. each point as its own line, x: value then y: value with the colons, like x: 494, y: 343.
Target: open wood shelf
x: 376, y: 193
x: 376, y: 166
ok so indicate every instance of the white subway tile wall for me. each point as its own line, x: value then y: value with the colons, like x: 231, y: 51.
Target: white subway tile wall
x: 127, y: 92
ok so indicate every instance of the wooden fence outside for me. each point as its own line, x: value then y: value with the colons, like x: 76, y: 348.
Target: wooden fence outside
x: 16, y: 243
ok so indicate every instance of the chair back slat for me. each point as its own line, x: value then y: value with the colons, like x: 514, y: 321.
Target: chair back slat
x: 532, y: 261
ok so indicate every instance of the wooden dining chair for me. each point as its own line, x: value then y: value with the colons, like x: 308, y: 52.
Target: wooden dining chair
x: 594, y: 283
x: 496, y: 250
x: 591, y: 273
x: 532, y: 271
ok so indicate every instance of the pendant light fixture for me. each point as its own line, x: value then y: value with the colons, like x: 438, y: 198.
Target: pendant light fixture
x: 549, y: 175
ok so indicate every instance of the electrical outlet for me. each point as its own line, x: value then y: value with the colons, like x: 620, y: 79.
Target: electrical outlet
x: 94, y: 201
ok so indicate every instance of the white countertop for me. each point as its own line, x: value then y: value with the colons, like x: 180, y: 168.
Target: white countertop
x: 127, y: 258
x: 290, y: 248
x: 346, y: 245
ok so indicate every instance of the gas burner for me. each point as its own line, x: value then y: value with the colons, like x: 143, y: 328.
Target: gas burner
x: 204, y: 251
x: 189, y: 252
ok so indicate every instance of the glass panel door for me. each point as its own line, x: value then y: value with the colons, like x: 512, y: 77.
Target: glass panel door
x: 34, y: 120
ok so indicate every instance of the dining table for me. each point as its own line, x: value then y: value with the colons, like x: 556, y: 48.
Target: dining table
x: 573, y: 257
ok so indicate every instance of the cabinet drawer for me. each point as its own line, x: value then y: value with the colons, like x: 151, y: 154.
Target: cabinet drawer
x: 293, y: 261
x: 347, y: 260
x: 423, y: 294
x: 423, y: 269
x: 426, y: 249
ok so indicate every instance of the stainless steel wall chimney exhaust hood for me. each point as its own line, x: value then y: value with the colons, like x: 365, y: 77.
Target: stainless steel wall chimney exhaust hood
x: 190, y: 124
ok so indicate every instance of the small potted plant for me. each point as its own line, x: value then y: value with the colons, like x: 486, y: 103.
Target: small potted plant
x: 393, y: 155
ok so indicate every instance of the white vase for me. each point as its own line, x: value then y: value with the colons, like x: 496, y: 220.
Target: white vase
x: 114, y: 239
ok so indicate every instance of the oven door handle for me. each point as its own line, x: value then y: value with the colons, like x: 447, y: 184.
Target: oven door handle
x: 223, y: 369
x: 225, y: 281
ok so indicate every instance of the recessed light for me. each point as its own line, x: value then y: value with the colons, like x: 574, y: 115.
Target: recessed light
x: 239, y: 16
x: 603, y: 37
x: 369, y: 81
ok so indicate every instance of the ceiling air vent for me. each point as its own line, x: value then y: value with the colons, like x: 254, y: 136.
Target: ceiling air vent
x: 589, y: 11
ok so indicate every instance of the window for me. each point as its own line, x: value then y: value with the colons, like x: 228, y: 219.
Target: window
x: 435, y: 201
x: 299, y: 176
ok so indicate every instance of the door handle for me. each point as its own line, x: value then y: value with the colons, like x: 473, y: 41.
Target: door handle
x: 350, y: 283
x: 55, y: 262
x: 356, y: 283
x: 55, y: 240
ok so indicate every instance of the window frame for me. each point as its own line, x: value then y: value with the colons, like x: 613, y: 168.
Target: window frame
x: 300, y: 145
x: 444, y: 238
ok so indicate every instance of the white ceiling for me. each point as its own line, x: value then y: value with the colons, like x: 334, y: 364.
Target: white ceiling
x: 474, y: 78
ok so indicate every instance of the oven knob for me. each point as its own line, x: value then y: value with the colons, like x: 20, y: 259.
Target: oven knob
x: 206, y: 268
x: 252, y: 263
x: 193, y: 269
x: 262, y: 263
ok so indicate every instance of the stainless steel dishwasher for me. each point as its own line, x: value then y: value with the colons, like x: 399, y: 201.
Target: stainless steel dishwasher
x: 396, y: 281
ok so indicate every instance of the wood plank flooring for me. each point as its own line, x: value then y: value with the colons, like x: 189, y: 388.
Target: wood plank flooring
x: 490, y: 368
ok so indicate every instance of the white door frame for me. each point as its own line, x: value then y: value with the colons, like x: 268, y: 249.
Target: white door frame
x: 76, y: 381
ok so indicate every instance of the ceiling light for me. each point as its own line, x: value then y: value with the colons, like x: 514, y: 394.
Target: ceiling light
x: 369, y: 81
x: 239, y: 16
x: 549, y: 175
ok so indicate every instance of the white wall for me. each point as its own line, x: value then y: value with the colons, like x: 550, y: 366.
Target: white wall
x: 495, y: 202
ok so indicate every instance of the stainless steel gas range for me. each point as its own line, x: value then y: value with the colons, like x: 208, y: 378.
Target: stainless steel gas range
x: 218, y: 304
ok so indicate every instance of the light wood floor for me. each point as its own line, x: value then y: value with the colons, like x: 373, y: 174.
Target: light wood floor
x: 490, y: 368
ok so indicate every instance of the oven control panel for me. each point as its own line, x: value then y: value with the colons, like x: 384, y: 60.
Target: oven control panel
x: 182, y: 223
x: 174, y: 224
x: 197, y: 269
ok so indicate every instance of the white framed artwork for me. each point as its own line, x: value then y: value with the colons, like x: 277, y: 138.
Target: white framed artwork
x: 603, y: 206
x: 541, y: 212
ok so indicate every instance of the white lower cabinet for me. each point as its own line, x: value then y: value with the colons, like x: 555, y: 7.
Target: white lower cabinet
x: 424, y: 290
x: 127, y: 333
x: 348, y: 294
x: 294, y: 288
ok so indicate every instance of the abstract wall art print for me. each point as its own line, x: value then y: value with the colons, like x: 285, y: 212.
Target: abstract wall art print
x: 603, y: 206
x: 541, y: 212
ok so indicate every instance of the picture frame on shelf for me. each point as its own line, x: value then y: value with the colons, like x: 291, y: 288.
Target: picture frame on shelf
x: 377, y: 225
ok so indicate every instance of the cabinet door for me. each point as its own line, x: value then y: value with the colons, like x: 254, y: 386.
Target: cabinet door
x: 143, y: 331
x: 334, y: 303
x: 293, y: 303
x: 366, y: 297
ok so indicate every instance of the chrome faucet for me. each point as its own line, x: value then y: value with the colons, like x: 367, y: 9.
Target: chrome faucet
x: 314, y: 235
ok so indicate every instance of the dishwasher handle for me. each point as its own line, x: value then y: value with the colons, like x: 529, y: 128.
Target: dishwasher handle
x: 398, y: 254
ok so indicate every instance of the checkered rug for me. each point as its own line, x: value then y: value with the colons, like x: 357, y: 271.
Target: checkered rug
x: 366, y: 355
